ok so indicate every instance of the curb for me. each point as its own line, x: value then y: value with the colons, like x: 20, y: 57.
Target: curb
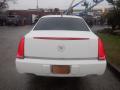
x: 114, y: 69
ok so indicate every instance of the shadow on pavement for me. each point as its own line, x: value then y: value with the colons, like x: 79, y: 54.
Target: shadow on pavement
x: 52, y: 83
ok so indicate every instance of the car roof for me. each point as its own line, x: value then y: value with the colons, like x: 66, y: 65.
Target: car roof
x: 66, y: 16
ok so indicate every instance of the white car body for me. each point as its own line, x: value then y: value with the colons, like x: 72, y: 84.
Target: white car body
x: 45, y: 48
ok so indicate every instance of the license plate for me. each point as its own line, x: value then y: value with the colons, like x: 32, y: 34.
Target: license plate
x: 60, y: 69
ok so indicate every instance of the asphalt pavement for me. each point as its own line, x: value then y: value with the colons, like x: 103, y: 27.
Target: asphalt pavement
x: 10, y: 79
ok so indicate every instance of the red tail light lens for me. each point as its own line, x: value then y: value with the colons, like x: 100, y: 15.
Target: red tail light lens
x: 20, y: 52
x: 101, y: 51
x: 61, y: 38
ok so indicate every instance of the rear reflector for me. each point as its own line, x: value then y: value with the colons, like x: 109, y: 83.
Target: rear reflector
x: 101, y: 51
x: 60, y: 38
x: 20, y: 52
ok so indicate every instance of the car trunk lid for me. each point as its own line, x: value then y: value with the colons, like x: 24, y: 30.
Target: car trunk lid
x: 61, y: 45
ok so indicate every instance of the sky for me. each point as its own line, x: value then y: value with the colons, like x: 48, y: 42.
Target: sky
x: 62, y: 4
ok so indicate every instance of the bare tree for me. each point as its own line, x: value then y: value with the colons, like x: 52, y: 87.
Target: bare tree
x: 4, y: 4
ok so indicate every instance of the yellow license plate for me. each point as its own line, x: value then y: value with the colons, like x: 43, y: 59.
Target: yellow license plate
x: 60, y: 69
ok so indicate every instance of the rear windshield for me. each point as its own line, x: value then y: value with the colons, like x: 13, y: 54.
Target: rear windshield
x: 61, y: 23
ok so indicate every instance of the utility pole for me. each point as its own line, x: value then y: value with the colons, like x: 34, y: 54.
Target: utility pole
x: 37, y: 5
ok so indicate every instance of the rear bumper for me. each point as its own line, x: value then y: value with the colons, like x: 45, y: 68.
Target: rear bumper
x: 79, y: 68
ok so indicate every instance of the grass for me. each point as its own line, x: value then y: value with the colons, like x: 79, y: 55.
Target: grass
x: 112, y: 47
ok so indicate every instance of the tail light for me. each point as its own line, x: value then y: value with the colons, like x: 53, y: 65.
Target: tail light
x: 101, y: 51
x: 61, y: 38
x: 20, y: 52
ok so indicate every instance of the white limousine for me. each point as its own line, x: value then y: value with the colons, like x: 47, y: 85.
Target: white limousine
x: 61, y: 46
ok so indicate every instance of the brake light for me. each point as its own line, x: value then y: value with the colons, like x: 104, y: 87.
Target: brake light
x: 101, y: 51
x: 20, y: 52
x: 61, y: 38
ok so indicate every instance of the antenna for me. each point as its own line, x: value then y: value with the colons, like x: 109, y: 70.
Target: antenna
x: 61, y: 13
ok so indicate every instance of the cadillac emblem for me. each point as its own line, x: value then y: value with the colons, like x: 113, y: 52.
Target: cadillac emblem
x: 61, y: 48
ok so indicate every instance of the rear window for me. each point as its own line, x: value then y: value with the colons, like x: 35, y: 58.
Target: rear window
x: 61, y: 23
